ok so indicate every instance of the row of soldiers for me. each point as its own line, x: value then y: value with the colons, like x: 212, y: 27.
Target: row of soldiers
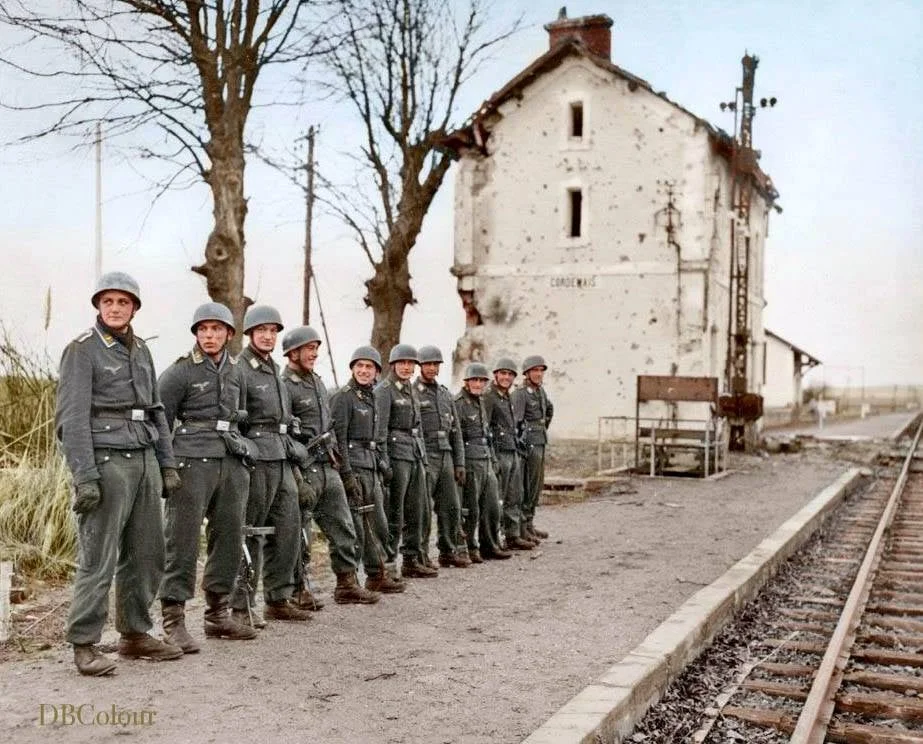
x: 261, y: 453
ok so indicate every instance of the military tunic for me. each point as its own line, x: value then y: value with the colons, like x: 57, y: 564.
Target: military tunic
x: 111, y: 426
x: 445, y: 451
x: 535, y: 410
x: 310, y: 404
x: 498, y: 407
x: 352, y: 408
x: 204, y: 401
x: 402, y: 451
x: 481, y: 499
x: 273, y: 499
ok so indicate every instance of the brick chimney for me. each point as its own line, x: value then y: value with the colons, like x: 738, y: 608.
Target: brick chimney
x: 592, y: 30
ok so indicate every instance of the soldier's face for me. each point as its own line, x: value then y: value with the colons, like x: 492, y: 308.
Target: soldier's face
x: 263, y: 337
x: 116, y: 309
x: 305, y: 356
x: 504, y: 378
x: 212, y: 336
x: 364, y: 371
x: 476, y: 385
x: 536, y: 375
x: 429, y: 371
x: 403, y: 369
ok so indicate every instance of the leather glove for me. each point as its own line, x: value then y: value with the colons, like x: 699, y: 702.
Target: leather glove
x: 460, y: 476
x: 87, y: 497
x: 353, y: 490
x: 171, y: 481
x: 307, y: 495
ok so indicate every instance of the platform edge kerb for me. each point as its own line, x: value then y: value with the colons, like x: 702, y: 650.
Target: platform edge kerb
x: 625, y: 692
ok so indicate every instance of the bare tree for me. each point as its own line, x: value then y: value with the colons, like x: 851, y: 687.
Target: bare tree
x: 400, y: 65
x: 176, y: 76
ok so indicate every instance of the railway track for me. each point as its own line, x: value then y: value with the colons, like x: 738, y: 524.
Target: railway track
x: 843, y: 661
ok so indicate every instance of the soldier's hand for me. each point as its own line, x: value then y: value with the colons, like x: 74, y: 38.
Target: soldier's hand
x: 87, y: 497
x: 353, y: 490
x: 460, y: 476
x: 307, y: 495
x: 387, y: 473
x: 171, y: 481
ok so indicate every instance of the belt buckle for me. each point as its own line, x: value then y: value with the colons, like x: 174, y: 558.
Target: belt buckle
x: 283, y: 428
x: 221, y: 425
x: 137, y: 414
x: 373, y: 445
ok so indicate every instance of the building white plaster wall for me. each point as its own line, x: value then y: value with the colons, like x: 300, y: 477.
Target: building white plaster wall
x: 619, y: 299
x: 779, y: 387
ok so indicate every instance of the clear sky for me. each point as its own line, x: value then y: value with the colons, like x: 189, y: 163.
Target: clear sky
x: 844, y: 146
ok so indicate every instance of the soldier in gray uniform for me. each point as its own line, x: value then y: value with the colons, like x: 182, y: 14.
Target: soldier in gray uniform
x: 310, y: 404
x: 402, y: 458
x: 533, y: 407
x: 203, y: 395
x: 499, y: 409
x: 110, y: 423
x: 445, y: 460
x: 352, y: 408
x: 273, y: 496
x: 481, y: 499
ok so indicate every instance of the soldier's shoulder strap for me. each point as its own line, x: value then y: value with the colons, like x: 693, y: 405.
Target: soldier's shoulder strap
x: 84, y: 336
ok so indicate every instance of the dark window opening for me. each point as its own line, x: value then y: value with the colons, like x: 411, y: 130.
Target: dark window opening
x: 576, y: 119
x: 576, y: 212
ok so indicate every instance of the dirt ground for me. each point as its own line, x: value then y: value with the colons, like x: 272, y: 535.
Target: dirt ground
x: 477, y: 656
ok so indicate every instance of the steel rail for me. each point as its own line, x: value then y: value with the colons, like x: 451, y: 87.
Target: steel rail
x: 811, y: 727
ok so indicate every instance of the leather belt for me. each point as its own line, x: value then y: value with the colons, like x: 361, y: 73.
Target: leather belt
x: 364, y: 443
x: 270, y: 427
x: 196, y: 425
x: 477, y: 440
x: 129, y: 414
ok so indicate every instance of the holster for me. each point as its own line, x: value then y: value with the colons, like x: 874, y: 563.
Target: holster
x: 239, y: 446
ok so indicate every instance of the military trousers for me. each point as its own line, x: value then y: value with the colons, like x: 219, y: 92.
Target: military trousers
x: 372, y: 538
x: 406, y: 498
x: 272, y: 502
x: 482, y: 505
x: 214, y: 488
x: 122, y: 537
x: 442, y: 496
x: 510, y: 486
x: 331, y: 512
x: 533, y: 480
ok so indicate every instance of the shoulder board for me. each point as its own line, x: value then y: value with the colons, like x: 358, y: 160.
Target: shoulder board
x: 421, y: 387
x: 459, y: 395
x: 84, y: 336
x: 386, y: 383
x: 139, y: 342
x: 183, y: 358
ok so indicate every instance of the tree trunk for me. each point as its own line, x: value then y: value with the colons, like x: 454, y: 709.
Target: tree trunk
x: 224, y: 251
x: 389, y: 291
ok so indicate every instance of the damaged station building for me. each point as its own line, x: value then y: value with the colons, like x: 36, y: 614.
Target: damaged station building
x: 593, y: 225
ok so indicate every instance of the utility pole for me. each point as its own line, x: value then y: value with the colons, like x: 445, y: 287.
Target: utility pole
x: 99, y: 203
x: 740, y: 406
x: 309, y: 218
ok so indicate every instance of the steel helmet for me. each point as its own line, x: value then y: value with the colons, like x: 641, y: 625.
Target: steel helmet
x: 402, y: 353
x: 117, y: 280
x: 531, y: 362
x: 257, y: 315
x: 212, y: 311
x: 507, y: 364
x: 370, y: 353
x: 430, y: 354
x: 298, y: 337
x: 476, y: 370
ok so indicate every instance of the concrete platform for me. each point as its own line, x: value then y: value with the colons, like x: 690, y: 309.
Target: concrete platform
x: 608, y: 709
x: 884, y: 426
